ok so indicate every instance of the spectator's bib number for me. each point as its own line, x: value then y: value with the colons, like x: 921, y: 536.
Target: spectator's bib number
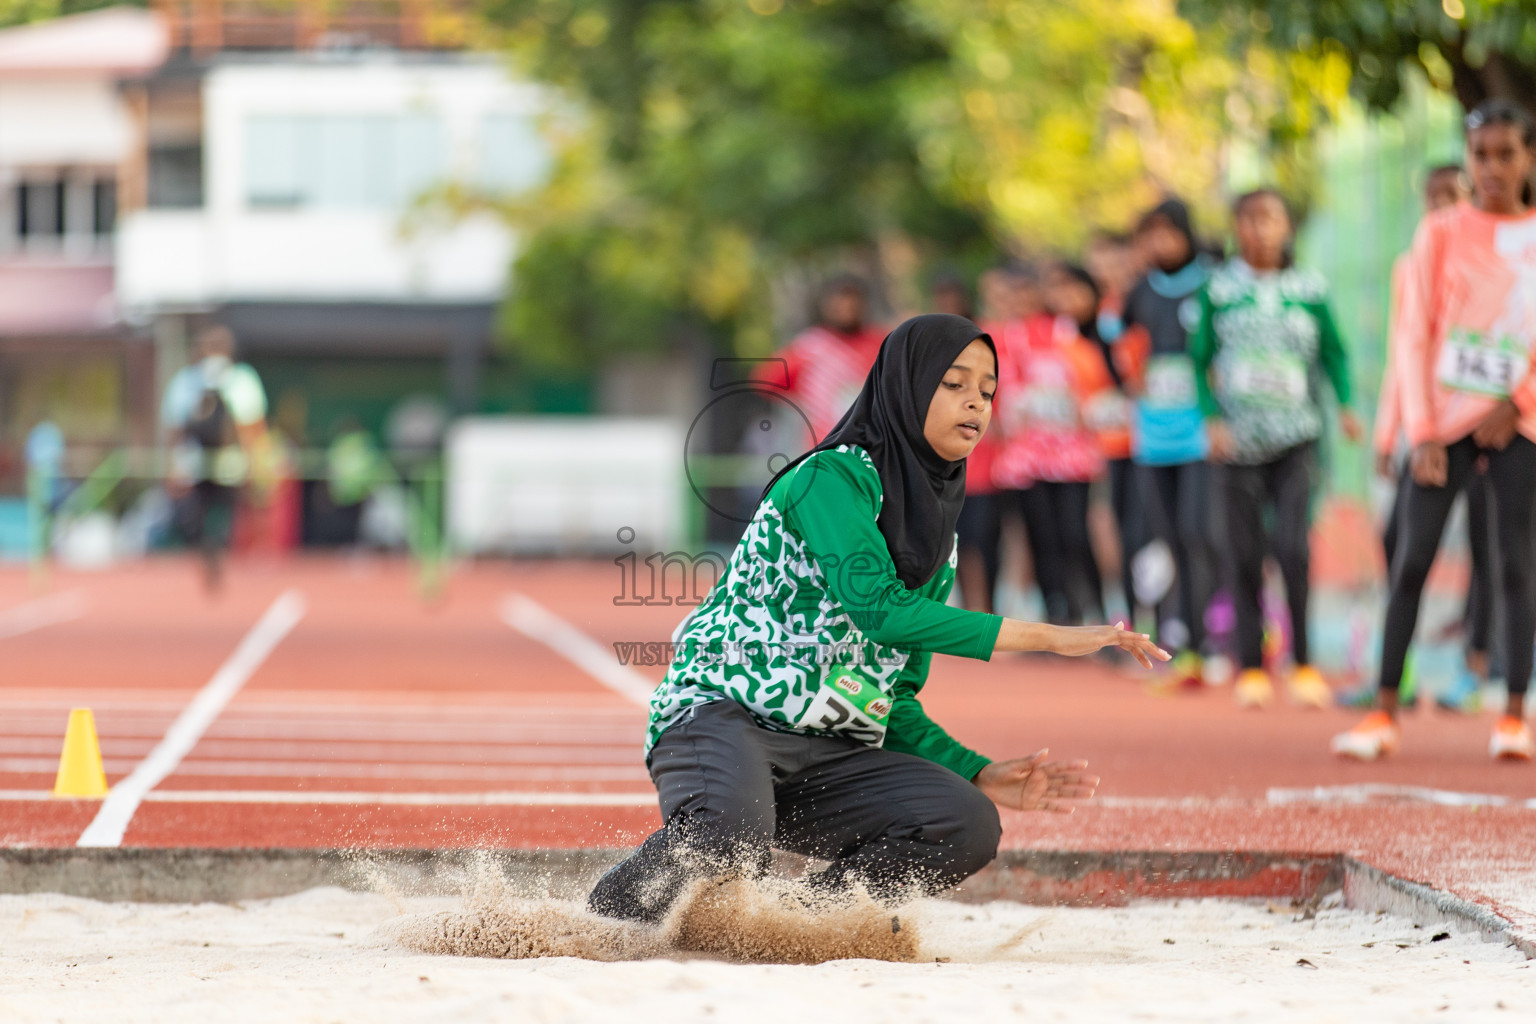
x: 849, y: 704
x: 1268, y: 378
x: 1170, y: 382
x: 1474, y: 362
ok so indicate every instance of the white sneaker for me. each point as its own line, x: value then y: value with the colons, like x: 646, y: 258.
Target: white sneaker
x: 1375, y: 736
x: 1511, y: 740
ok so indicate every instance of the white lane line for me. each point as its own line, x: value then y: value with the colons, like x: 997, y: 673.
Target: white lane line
x: 45, y: 611
x: 489, y: 774
x: 533, y: 620
x: 107, y: 828
x: 1371, y: 792
x: 510, y: 798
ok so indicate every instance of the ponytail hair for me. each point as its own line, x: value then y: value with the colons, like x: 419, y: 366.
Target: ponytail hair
x: 1501, y: 111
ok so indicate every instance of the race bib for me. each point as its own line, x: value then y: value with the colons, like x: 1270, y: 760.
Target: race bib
x: 1268, y: 378
x: 851, y: 705
x: 1473, y: 361
x: 1170, y: 382
x: 1107, y: 410
x: 1050, y: 407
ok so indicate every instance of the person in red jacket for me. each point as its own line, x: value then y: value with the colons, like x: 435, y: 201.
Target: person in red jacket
x: 827, y: 362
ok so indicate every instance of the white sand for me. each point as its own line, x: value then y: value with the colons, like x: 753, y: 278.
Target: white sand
x: 324, y: 956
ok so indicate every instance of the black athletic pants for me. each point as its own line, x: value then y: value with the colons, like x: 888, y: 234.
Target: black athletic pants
x: 1126, y: 503
x: 730, y: 789
x: 1512, y: 480
x: 1285, y: 483
x: 1477, y: 614
x: 979, y: 530
x: 1178, y: 504
x: 1056, y: 517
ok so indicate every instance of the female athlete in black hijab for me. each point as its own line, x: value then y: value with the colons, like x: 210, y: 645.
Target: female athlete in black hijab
x: 789, y: 716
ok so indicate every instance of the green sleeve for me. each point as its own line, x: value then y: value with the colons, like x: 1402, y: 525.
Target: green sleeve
x: 1331, y: 354
x: 831, y: 503
x: 1202, y: 350
x: 909, y: 730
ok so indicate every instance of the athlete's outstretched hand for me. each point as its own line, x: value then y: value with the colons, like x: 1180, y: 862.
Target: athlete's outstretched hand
x: 1076, y: 641
x: 1034, y: 784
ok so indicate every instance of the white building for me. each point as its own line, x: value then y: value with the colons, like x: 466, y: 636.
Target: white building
x: 160, y: 170
x: 67, y: 135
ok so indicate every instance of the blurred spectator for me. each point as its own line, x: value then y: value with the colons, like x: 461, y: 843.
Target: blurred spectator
x: 1074, y: 294
x: 1266, y: 336
x: 1049, y: 456
x: 827, y: 363
x: 948, y: 294
x: 1169, y: 443
x: 214, y: 412
x: 353, y: 468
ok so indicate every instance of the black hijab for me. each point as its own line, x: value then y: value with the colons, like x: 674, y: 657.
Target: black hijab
x: 923, y: 492
x: 1175, y: 212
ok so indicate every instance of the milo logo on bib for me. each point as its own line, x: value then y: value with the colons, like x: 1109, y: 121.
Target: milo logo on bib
x: 849, y: 705
x: 1482, y: 363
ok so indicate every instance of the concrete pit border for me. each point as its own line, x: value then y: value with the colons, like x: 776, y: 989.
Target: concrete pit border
x: 1040, y: 877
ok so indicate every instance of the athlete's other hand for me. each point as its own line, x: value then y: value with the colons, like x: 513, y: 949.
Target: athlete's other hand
x: 1498, y: 427
x: 1429, y: 464
x: 1076, y: 641
x: 1351, y: 426
x: 1222, y: 445
x: 1034, y: 784
x: 1384, y: 467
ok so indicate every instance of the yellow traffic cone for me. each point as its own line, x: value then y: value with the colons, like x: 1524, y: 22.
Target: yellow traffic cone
x: 80, y: 771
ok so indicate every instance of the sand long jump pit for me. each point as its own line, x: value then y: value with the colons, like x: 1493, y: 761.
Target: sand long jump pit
x: 491, y: 945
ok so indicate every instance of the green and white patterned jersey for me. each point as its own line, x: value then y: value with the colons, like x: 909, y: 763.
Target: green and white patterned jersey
x: 810, y: 629
x: 1264, y: 342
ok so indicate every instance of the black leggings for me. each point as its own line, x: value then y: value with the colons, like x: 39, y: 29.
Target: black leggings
x: 1178, y: 507
x: 1286, y: 484
x: 1512, y: 479
x: 1056, y: 516
x: 980, y: 543
x: 729, y: 789
x: 1125, y: 499
x: 1477, y: 614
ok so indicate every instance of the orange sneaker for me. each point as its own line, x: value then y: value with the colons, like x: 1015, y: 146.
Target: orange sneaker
x: 1511, y: 740
x: 1308, y: 688
x: 1376, y: 736
x: 1253, y: 688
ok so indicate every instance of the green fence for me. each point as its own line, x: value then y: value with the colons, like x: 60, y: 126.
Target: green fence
x: 1366, y: 208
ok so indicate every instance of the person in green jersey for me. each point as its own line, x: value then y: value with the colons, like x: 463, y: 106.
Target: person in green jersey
x: 1265, y: 343
x: 789, y: 715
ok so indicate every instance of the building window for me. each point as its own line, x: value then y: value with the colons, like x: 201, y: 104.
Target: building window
x: 40, y: 209
x: 103, y: 207
x: 340, y: 162
x: 175, y: 177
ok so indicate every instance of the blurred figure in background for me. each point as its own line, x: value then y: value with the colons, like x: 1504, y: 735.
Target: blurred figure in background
x: 1074, y: 294
x: 1116, y: 266
x: 354, y: 467
x: 979, y: 529
x: 827, y: 363
x: 1443, y: 187
x: 1169, y: 443
x: 1046, y: 374
x: 948, y: 293
x: 214, y: 413
x: 1462, y: 349
x: 1266, y: 335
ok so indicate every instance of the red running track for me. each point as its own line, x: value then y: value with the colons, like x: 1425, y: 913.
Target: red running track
x: 381, y: 722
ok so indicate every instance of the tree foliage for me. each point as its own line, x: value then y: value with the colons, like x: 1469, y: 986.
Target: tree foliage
x: 729, y: 150
x: 1476, y: 48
